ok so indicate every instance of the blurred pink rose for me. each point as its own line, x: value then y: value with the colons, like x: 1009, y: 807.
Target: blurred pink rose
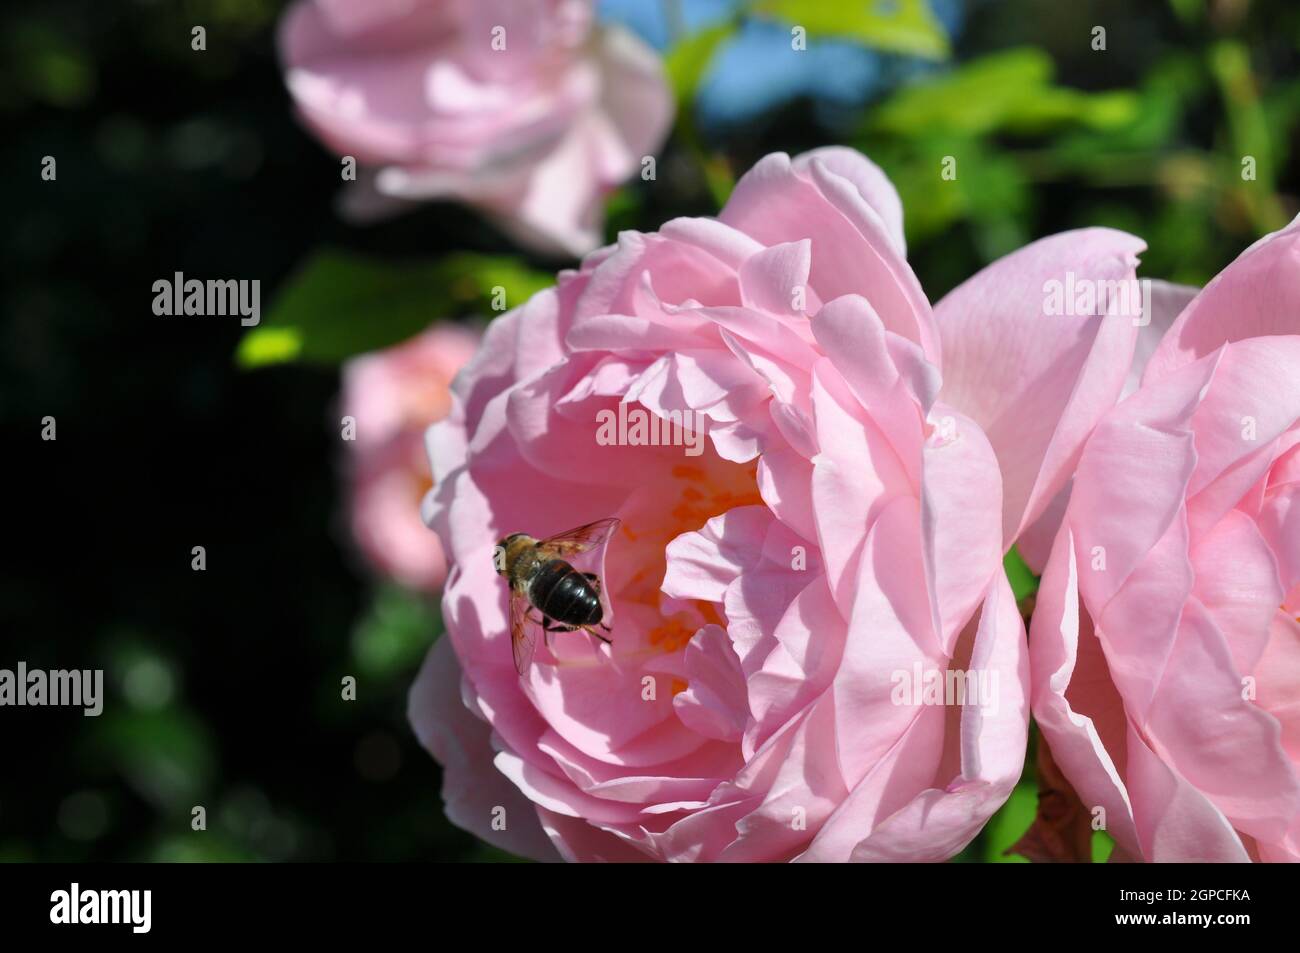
x: 525, y: 108
x: 394, y: 395
x: 1166, y: 637
x: 779, y: 597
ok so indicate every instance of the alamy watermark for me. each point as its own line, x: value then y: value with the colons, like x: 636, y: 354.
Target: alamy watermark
x: 922, y: 686
x: 1123, y: 297
x: 133, y: 908
x: 181, y: 296
x: 637, y: 427
x: 78, y: 688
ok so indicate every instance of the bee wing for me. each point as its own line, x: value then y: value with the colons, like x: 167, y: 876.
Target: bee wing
x: 523, y: 634
x: 581, y: 539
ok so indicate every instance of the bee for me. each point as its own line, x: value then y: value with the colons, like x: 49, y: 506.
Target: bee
x: 542, y: 580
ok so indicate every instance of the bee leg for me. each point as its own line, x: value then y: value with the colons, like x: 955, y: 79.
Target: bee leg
x: 544, y: 623
x: 591, y: 631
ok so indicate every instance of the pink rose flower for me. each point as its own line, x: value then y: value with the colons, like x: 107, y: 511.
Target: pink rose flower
x: 393, y: 396
x: 1166, y: 638
x: 783, y: 590
x: 524, y: 108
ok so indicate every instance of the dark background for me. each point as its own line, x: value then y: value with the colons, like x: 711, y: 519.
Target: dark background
x: 223, y: 685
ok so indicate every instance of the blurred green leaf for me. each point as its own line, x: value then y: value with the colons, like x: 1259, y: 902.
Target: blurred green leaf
x: 1282, y: 109
x: 393, y: 636
x: 686, y: 63
x: 989, y: 189
x: 339, y: 304
x: 1010, y: 90
x: 1023, y: 581
x: 1188, y: 11
x: 689, y: 59
x: 622, y: 212
x: 167, y: 755
x: 1179, y: 244
x: 1230, y: 65
x: 1009, y: 824
x: 1251, y: 136
x: 487, y: 854
x: 894, y: 26
x: 481, y: 274
x: 199, y: 847
x: 1163, y: 98
x: 1102, y: 845
x: 720, y: 178
x: 44, y: 63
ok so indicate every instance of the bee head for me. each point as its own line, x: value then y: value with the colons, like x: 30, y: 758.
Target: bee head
x: 499, y: 559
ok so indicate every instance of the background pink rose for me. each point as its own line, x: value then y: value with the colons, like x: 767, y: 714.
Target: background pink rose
x: 1166, y: 638
x: 535, y: 133
x: 845, y: 523
x: 394, y: 395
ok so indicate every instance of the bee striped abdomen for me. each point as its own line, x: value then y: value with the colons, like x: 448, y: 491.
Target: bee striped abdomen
x: 564, y: 594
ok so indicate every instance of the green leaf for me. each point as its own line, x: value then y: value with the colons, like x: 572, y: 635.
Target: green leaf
x: 201, y: 847
x: 1102, y: 845
x: 394, y: 635
x: 487, y: 854
x: 1166, y: 92
x: 623, y: 209
x: 1251, y: 135
x: 1007, y: 91
x: 168, y: 756
x: 1009, y: 824
x: 686, y: 63
x: 894, y: 26
x: 1189, y: 12
x: 270, y: 345
x: 339, y: 304
x: 1023, y: 581
x: 484, y: 273
x: 720, y: 179
x: 988, y: 189
x: 689, y: 59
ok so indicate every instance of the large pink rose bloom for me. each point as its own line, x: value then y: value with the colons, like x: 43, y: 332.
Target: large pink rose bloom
x: 393, y: 396
x: 524, y: 108
x: 840, y: 532
x: 1166, y: 638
